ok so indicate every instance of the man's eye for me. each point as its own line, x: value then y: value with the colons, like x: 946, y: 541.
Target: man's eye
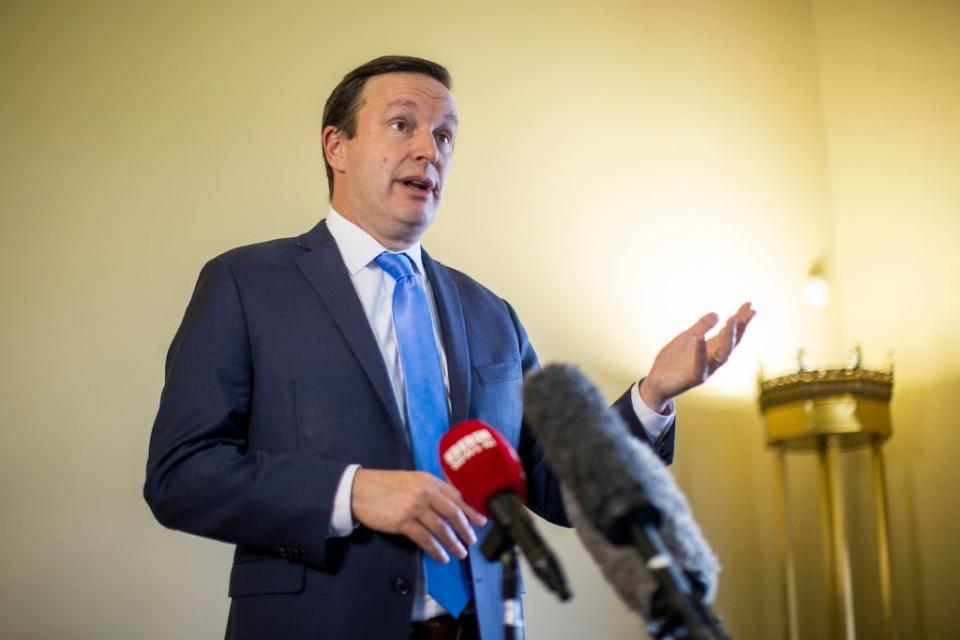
x: 445, y: 139
x: 399, y: 125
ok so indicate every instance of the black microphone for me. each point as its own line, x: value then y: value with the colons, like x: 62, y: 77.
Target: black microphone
x: 624, y: 495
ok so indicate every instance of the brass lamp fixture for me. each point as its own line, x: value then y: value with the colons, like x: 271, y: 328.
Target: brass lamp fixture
x: 830, y: 411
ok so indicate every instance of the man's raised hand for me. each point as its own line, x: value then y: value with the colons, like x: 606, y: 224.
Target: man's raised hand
x: 690, y: 358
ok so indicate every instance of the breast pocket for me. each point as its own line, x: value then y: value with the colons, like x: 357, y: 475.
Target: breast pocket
x: 498, y: 372
x: 497, y: 397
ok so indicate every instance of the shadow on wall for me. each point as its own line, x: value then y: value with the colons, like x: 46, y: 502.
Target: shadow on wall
x: 725, y: 471
x: 923, y: 474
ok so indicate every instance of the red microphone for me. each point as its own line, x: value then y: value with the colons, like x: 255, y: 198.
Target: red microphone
x: 481, y: 463
x: 487, y: 471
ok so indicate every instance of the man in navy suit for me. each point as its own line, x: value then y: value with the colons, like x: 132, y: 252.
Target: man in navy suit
x: 283, y: 424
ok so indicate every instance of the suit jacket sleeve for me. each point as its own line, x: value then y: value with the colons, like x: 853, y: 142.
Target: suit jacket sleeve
x: 201, y: 478
x: 663, y: 445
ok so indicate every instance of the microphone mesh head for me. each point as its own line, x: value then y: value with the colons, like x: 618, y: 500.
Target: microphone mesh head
x: 611, y: 474
x: 587, y: 444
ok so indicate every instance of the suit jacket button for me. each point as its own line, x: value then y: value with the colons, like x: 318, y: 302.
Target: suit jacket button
x: 283, y: 552
x: 401, y: 585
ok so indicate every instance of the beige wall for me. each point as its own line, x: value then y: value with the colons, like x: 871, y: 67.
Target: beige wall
x: 891, y: 94
x: 672, y: 157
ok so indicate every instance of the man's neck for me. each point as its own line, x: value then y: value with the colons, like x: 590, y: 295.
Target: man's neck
x: 391, y: 243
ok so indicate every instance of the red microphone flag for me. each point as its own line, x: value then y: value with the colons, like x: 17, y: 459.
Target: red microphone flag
x: 481, y: 463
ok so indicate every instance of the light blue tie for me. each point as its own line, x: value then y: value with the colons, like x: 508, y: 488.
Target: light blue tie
x: 427, y: 415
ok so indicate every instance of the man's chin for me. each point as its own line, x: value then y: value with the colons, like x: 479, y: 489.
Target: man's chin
x: 406, y: 227
x: 418, y: 217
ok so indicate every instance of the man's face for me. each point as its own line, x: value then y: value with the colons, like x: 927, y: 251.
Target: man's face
x: 388, y: 178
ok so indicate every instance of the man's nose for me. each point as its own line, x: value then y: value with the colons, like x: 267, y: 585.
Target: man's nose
x: 425, y: 147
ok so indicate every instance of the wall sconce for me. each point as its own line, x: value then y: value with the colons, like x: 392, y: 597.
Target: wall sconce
x: 818, y: 289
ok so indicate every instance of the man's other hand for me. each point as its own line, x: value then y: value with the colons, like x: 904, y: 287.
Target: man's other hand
x: 417, y: 505
x: 690, y: 358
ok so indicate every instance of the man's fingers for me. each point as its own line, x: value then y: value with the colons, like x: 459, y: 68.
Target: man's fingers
x: 704, y: 324
x: 474, y: 516
x: 418, y: 505
x: 720, y: 345
x: 744, y: 315
x: 454, y: 518
x: 441, y: 530
x: 453, y: 512
x: 425, y: 540
x: 477, y: 518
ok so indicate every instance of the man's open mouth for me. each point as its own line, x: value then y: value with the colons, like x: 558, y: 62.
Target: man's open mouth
x: 422, y: 185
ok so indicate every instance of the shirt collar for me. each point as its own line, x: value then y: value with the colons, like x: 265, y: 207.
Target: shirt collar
x: 359, y: 248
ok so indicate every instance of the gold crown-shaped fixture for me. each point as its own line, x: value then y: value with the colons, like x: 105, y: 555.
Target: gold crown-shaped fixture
x: 850, y: 402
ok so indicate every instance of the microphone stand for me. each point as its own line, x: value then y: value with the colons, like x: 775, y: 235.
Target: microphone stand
x: 498, y: 545
x: 700, y: 623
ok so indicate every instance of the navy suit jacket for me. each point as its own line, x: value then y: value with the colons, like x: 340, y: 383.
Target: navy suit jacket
x: 274, y: 384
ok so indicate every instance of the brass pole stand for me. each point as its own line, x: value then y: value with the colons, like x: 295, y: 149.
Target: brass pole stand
x: 883, y: 534
x: 831, y: 411
x: 789, y: 584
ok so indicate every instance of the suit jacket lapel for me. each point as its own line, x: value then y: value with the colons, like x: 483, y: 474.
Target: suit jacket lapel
x: 454, y: 334
x: 324, y: 268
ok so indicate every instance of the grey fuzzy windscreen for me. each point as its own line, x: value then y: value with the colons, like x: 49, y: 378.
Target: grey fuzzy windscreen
x: 583, y: 441
x: 608, y: 471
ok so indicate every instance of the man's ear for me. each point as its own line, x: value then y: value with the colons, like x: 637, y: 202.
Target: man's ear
x: 333, y: 148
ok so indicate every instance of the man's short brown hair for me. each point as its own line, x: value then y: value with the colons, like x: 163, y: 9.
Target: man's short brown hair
x: 344, y: 102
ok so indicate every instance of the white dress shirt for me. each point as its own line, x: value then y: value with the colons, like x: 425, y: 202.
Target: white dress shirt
x: 375, y: 289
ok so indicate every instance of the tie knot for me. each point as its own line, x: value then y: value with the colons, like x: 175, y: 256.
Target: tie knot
x: 398, y: 265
